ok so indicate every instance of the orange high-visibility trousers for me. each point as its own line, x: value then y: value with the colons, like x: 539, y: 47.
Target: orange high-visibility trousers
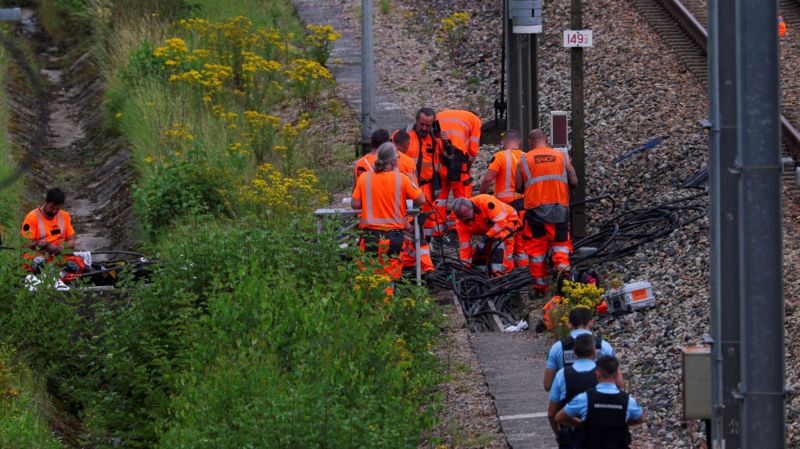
x: 387, y: 256
x: 521, y: 238
x: 546, y: 237
x: 460, y: 189
x: 408, y: 253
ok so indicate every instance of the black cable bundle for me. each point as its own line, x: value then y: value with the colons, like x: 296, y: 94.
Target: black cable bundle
x: 621, y: 234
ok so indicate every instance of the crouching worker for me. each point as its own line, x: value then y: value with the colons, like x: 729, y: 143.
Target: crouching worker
x: 603, y: 412
x: 381, y: 196
x: 485, y: 215
x: 49, y: 232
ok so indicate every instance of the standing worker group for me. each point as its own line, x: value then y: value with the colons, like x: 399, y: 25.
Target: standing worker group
x: 545, y: 176
x: 381, y: 195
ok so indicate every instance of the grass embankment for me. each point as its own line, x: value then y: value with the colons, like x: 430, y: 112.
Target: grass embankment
x: 256, y: 332
x: 24, y: 407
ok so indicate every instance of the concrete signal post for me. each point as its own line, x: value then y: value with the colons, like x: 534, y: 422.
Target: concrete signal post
x: 524, y: 20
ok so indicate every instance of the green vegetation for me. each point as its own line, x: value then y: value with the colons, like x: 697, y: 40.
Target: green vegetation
x: 23, y: 422
x: 10, y: 194
x: 23, y: 402
x: 256, y: 331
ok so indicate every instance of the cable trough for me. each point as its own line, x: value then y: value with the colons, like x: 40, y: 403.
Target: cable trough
x: 490, y: 303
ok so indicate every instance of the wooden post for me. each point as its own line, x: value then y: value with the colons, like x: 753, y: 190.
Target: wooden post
x: 578, y: 151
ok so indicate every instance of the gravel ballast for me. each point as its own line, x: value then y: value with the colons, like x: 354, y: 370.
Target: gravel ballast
x: 636, y: 89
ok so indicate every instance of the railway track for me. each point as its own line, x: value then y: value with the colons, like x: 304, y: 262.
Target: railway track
x: 688, y: 37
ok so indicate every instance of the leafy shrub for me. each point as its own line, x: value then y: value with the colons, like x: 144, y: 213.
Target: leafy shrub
x: 177, y: 188
x: 291, y: 356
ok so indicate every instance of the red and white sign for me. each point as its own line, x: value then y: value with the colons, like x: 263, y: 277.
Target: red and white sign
x: 577, y: 38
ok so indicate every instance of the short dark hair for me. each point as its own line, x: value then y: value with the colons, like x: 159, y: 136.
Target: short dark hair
x: 401, y: 138
x: 55, y: 196
x: 608, y: 365
x: 512, y: 134
x: 379, y: 137
x: 580, y: 317
x: 426, y: 111
x: 584, y: 346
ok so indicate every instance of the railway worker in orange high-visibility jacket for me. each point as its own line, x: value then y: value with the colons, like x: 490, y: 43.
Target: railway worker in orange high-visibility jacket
x: 461, y: 135
x: 545, y: 176
x: 408, y: 167
x: 381, y: 195
x: 502, y: 173
x: 425, y: 150
x: 781, y: 26
x: 366, y: 162
x: 485, y: 215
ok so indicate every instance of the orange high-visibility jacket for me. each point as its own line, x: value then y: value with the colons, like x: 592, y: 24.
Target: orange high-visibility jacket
x: 38, y: 228
x: 463, y: 128
x: 505, y: 163
x: 781, y: 26
x: 364, y: 165
x: 544, y: 172
x: 383, y: 199
x: 408, y: 167
x: 430, y: 148
x: 493, y: 218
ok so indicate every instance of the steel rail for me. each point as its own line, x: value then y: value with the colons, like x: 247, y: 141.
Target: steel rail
x: 698, y: 34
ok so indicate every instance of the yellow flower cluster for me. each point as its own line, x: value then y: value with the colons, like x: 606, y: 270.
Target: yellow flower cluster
x: 211, y: 77
x: 586, y: 295
x: 574, y: 295
x: 254, y: 63
x: 371, y: 281
x: 258, y: 120
x: 173, y: 52
x: 303, y: 70
x: 271, y: 190
x: 179, y: 131
x: 319, y: 41
x: 451, y: 33
x: 320, y: 34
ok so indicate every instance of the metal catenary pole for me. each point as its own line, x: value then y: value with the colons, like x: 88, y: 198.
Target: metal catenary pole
x: 724, y: 227
x: 367, y: 75
x: 760, y: 231
x: 578, y: 151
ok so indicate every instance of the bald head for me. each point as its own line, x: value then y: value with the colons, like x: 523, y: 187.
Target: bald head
x: 536, y: 138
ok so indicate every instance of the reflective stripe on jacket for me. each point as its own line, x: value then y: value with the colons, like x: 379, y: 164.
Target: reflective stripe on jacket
x: 506, y: 163
x: 383, y: 197
x: 544, y: 173
x: 492, y: 218
x: 463, y: 129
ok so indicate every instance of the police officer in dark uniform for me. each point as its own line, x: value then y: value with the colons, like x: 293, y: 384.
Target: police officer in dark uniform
x: 603, y: 412
x: 561, y: 354
x: 570, y: 381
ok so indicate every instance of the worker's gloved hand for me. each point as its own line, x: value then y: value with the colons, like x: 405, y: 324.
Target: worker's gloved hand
x: 71, y: 267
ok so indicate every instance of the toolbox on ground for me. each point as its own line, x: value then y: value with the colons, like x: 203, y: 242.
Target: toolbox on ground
x: 630, y: 297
